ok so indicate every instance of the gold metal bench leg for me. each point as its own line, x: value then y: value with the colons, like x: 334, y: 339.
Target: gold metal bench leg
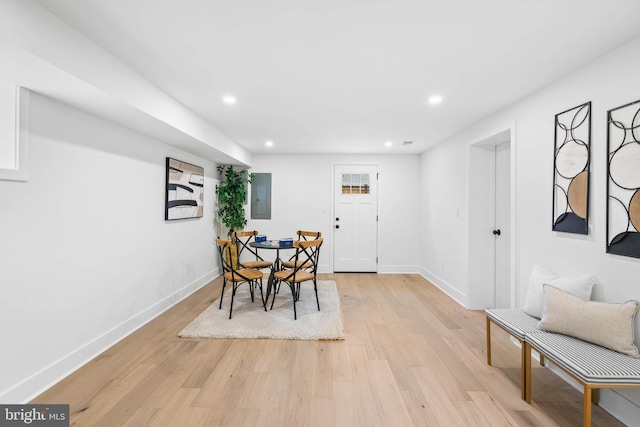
x: 595, y: 396
x: 526, y: 377
x: 488, y: 341
x: 587, y: 406
x: 541, y: 359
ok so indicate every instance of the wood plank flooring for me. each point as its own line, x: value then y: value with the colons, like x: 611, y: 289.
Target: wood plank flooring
x: 412, y: 357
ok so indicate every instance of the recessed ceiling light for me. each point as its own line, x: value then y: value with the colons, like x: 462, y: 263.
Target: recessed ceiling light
x: 388, y: 144
x: 269, y: 143
x: 229, y: 99
x: 435, y: 99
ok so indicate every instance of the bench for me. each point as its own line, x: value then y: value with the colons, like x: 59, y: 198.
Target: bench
x: 591, y: 365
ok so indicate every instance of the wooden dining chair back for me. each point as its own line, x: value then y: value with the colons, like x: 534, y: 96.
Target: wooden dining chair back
x: 237, y: 276
x: 303, y: 236
x: 242, y: 239
x: 305, y: 263
x: 308, y: 235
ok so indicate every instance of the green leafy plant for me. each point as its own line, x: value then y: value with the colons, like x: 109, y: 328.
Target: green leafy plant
x: 232, y: 193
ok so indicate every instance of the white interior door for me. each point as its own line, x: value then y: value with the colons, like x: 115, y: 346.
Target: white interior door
x: 355, y: 232
x: 502, y: 223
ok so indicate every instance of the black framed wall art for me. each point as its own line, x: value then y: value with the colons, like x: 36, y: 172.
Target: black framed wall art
x: 571, y: 170
x: 623, y: 180
x: 184, y: 190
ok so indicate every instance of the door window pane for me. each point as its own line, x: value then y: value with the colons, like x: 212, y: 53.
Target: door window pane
x: 346, y: 183
x: 364, y: 184
x: 355, y: 183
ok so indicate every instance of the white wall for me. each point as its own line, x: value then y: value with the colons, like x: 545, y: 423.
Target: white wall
x: 302, y: 199
x: 444, y: 239
x: 86, y: 256
x: 610, y: 82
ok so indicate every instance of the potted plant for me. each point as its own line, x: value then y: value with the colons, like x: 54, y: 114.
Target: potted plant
x: 231, y: 193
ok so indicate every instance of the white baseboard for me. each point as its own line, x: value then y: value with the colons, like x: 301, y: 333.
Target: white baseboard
x: 54, y: 373
x: 622, y: 404
x: 455, y: 294
x: 398, y: 269
x: 325, y: 268
x: 382, y: 269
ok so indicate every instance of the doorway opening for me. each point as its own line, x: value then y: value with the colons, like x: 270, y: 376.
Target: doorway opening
x: 492, y: 228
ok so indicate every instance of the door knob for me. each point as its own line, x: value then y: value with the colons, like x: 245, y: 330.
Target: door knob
x: 496, y: 232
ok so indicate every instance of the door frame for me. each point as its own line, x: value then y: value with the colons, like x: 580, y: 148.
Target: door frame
x: 333, y: 207
x: 481, y: 279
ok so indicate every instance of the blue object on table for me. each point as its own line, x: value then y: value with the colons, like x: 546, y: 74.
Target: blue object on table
x: 261, y: 238
x: 286, y: 242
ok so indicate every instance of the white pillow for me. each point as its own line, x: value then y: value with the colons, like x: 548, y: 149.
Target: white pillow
x: 606, y: 324
x: 533, y: 302
x: 579, y: 286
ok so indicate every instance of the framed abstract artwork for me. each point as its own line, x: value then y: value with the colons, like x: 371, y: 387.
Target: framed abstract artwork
x: 571, y: 170
x: 623, y: 180
x: 184, y: 190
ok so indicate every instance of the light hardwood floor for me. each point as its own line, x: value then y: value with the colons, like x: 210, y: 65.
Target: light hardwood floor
x: 412, y: 357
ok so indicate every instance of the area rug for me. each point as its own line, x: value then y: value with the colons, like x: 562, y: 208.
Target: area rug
x: 251, y: 321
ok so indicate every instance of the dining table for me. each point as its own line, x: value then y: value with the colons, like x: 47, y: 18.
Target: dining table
x: 277, y: 264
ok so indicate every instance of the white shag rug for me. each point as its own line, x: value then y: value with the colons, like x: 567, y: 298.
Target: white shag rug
x: 251, y: 321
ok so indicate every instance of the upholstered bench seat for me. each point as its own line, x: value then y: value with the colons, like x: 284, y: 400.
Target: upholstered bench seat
x: 515, y: 321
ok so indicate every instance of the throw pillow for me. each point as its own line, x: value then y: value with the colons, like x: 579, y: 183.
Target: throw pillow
x: 534, y: 300
x: 579, y: 286
x: 606, y: 324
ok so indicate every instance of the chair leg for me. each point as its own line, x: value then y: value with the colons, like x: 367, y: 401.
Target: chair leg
x: 315, y: 287
x: 264, y: 303
x: 233, y: 294
x: 293, y: 293
x: 275, y: 283
x: 224, y: 283
x: 292, y: 286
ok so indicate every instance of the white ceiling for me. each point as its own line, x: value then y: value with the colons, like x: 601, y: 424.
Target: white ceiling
x: 345, y: 76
